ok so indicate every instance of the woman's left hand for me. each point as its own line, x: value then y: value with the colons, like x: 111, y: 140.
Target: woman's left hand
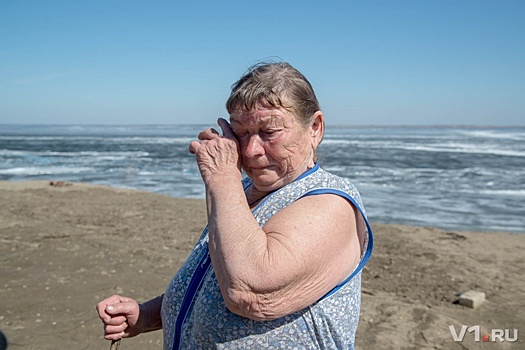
x: 217, y: 155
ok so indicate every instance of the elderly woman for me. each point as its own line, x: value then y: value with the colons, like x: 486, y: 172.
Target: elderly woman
x: 279, y: 264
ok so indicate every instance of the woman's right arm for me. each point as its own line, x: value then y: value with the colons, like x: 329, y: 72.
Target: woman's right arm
x: 123, y: 317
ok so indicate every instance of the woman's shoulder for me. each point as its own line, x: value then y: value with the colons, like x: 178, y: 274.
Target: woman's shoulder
x: 327, y: 180
x: 335, y: 179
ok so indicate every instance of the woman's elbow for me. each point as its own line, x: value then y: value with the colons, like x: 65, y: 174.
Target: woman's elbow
x: 257, y: 307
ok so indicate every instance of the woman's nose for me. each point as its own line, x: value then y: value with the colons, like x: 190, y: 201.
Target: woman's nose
x: 254, y: 146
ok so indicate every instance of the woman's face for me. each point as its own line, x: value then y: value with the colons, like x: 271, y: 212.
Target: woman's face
x: 275, y: 147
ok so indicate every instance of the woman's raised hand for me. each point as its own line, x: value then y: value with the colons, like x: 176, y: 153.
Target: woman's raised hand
x: 217, y: 155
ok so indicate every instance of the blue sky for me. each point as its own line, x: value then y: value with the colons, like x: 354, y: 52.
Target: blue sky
x: 168, y: 62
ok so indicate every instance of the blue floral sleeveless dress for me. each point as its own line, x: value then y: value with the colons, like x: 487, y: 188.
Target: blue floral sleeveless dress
x: 194, y: 315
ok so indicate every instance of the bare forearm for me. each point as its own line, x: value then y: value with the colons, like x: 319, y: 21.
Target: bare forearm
x: 236, y: 239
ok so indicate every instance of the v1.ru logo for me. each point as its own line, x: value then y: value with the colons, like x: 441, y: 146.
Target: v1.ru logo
x: 495, y: 334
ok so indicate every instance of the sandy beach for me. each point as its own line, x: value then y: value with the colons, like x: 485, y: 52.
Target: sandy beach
x: 64, y: 248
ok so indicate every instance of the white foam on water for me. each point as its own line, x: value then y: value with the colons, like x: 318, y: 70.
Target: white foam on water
x: 492, y: 134
x: 52, y: 170
x: 520, y: 192
x: 449, y: 147
x: 339, y: 142
x: 146, y: 173
x: 97, y: 139
x: 107, y: 155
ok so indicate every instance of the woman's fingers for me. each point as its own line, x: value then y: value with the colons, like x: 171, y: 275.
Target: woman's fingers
x: 204, y: 135
x: 216, y: 154
x: 226, y: 129
x: 101, y: 307
x: 194, y: 147
x: 120, y: 317
x: 128, y: 307
x: 115, y: 329
x: 115, y: 335
x: 116, y: 320
x: 117, y: 310
x: 211, y: 133
x: 208, y: 134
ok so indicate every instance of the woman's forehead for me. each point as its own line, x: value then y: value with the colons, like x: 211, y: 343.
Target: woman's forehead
x: 260, y: 116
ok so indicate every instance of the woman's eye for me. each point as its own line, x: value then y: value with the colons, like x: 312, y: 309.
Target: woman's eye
x: 270, y: 132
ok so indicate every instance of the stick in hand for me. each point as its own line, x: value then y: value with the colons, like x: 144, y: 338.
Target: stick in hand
x: 115, y: 344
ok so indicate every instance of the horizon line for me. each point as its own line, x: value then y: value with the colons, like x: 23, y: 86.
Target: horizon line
x: 327, y: 125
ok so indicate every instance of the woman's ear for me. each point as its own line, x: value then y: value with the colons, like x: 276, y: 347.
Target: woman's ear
x: 317, y: 129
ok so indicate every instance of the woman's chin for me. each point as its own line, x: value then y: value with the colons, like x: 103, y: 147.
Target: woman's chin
x: 265, y: 182
x: 268, y: 183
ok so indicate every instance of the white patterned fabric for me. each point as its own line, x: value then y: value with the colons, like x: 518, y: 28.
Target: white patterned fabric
x: 330, y: 323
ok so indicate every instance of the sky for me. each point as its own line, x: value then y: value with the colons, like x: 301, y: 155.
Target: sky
x: 446, y: 62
